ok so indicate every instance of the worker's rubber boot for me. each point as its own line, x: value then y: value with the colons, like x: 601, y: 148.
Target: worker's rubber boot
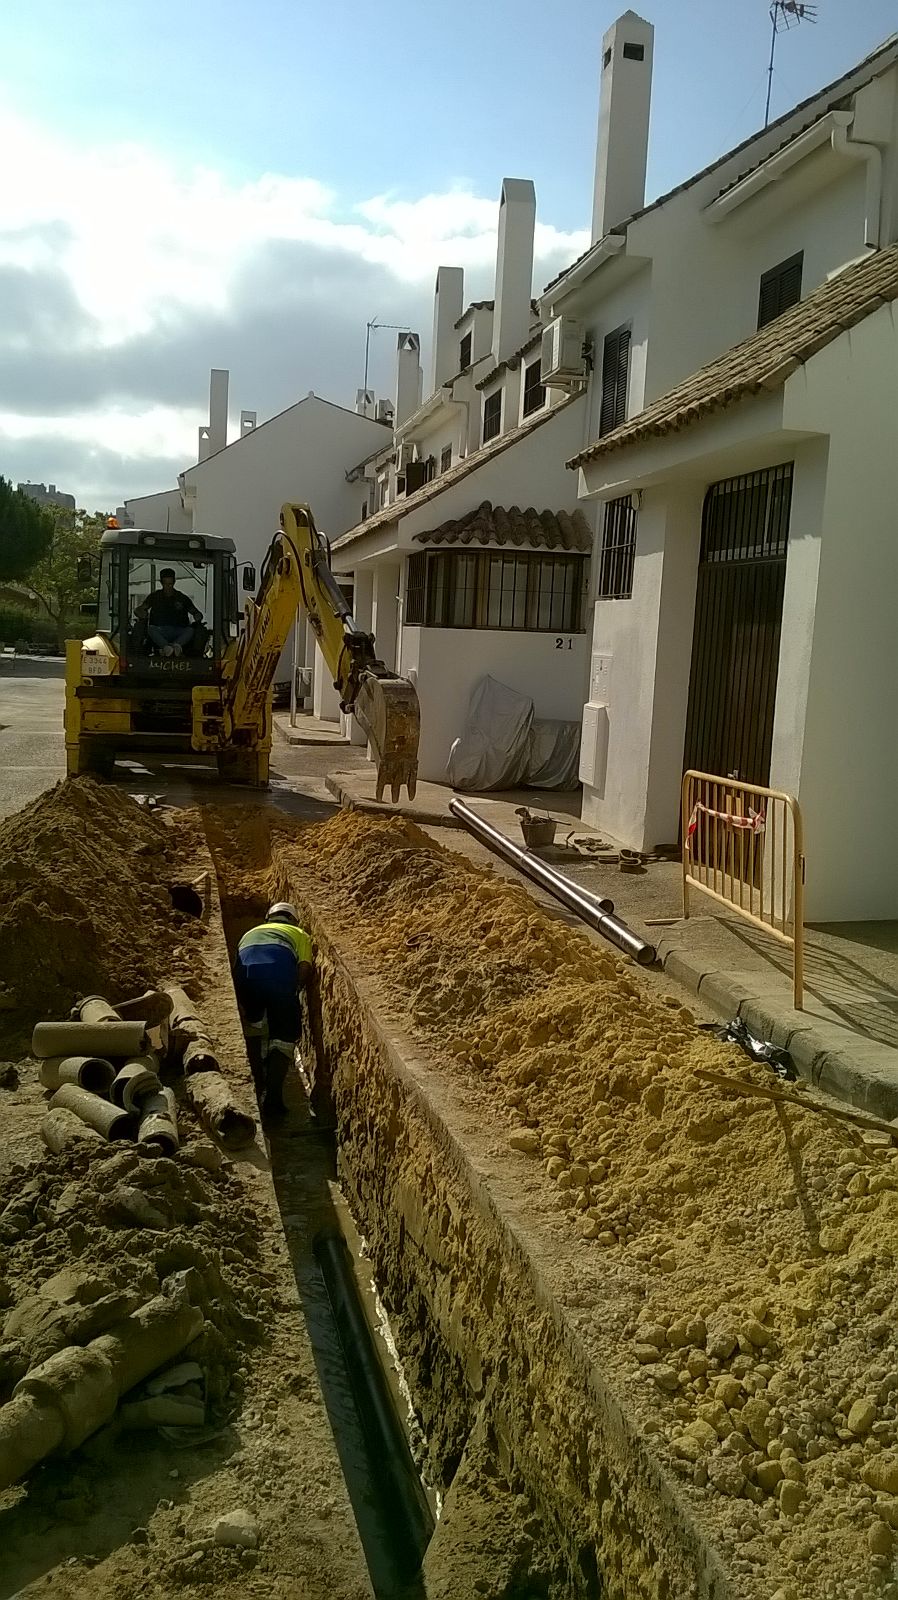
x: 254, y: 1055
x: 277, y: 1065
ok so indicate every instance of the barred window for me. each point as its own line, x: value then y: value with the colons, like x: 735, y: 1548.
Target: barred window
x: 534, y: 390
x: 526, y: 593
x: 492, y: 416
x: 618, y: 551
x: 415, y: 590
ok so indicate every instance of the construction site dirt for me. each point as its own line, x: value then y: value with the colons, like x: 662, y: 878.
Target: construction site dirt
x: 645, y: 1316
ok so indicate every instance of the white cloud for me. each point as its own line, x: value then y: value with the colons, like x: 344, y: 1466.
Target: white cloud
x: 145, y: 250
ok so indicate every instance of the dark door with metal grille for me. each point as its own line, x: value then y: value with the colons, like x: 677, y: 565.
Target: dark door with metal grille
x: 738, y: 618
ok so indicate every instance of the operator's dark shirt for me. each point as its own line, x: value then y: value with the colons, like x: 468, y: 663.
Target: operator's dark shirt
x: 170, y: 610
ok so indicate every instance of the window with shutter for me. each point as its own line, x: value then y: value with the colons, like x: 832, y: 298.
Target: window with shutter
x: 615, y: 373
x: 534, y: 390
x: 416, y: 590
x: 446, y: 458
x: 464, y: 352
x: 780, y: 289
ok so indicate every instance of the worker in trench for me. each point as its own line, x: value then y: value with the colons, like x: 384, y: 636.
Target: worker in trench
x: 272, y: 968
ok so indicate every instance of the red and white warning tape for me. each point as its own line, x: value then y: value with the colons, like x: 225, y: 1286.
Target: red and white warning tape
x: 755, y: 822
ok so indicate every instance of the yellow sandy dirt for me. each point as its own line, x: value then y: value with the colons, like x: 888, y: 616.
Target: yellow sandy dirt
x: 764, y: 1359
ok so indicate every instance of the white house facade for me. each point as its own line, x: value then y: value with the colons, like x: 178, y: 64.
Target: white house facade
x: 742, y: 419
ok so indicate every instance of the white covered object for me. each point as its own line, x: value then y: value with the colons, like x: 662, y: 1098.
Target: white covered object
x: 504, y: 747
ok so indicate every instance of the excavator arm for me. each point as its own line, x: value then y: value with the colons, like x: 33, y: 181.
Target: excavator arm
x: 297, y: 572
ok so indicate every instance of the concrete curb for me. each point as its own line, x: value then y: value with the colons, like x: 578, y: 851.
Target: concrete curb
x: 834, y: 1058
x: 386, y: 808
x: 297, y: 736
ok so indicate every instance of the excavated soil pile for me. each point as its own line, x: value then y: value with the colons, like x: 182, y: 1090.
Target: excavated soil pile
x: 751, y: 1248
x: 89, y: 1235
x: 84, y: 903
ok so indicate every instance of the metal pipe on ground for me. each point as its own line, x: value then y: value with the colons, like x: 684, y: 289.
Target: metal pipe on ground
x: 88, y: 1072
x: 190, y: 1035
x: 210, y: 1097
x: 109, y: 1120
x: 386, y: 1436
x: 65, y: 1399
x: 159, y: 1121
x: 584, y: 905
x: 134, y: 1081
x: 106, y: 1039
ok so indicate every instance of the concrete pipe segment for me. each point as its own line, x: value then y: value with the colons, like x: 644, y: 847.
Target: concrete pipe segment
x: 65, y: 1399
x: 189, y: 1034
x: 88, y: 1072
x: 93, y: 1008
x: 62, y: 1130
x: 88, y: 1038
x: 109, y: 1120
x: 211, y: 1099
x: 134, y: 1082
x: 159, y: 1120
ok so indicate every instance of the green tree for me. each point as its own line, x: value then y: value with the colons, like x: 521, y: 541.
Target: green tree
x: 53, y: 580
x: 26, y: 531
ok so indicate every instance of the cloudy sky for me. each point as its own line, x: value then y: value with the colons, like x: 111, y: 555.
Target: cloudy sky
x: 198, y: 183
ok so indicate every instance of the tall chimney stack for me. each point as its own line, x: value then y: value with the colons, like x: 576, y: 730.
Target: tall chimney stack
x: 408, y: 377
x: 448, y: 305
x: 514, y: 267
x: 623, y: 139
x: 218, y: 409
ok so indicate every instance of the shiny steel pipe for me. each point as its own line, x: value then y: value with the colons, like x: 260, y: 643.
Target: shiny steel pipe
x: 588, y: 907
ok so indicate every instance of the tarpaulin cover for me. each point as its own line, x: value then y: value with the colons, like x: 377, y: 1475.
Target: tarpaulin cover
x: 504, y: 746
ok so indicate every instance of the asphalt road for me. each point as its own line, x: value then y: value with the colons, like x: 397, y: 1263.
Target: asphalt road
x: 32, y: 742
x: 32, y: 755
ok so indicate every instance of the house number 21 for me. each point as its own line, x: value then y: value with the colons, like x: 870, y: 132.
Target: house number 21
x: 562, y: 644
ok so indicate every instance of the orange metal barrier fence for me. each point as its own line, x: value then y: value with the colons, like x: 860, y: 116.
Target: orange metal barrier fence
x: 744, y: 846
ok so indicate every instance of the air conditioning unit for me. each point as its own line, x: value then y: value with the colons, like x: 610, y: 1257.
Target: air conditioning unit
x: 562, y: 360
x: 385, y: 412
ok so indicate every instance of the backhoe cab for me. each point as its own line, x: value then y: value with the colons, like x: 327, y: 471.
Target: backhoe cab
x: 129, y: 687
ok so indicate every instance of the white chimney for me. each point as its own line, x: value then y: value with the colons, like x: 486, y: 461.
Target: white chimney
x: 447, y: 308
x: 514, y: 267
x: 365, y: 402
x: 247, y: 422
x: 204, y: 445
x: 408, y: 377
x: 624, y: 105
x: 218, y: 409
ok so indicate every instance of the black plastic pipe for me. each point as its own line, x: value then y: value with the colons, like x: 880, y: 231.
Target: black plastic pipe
x: 401, y: 1486
x: 595, y: 912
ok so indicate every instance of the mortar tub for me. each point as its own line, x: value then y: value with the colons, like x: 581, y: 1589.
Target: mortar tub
x: 88, y: 1072
x: 109, y: 1120
x: 588, y: 907
x: 134, y: 1081
x: 190, y: 1035
x: 218, y: 1111
x: 63, y: 1400
x: 159, y: 1120
x: 93, y: 1008
x: 62, y: 1130
x: 106, y: 1039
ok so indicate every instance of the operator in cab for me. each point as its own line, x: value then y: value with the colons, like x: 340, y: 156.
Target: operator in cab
x: 169, y: 616
x: 272, y: 966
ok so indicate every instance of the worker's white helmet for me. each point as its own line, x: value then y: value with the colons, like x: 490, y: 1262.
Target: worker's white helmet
x: 282, y: 911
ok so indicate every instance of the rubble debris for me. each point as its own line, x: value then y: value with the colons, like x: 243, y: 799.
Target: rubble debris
x: 236, y: 1529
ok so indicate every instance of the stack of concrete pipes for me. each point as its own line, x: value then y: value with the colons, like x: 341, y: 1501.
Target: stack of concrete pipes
x: 103, y: 1067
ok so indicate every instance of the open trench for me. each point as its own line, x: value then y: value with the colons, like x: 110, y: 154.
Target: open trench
x: 544, y: 1492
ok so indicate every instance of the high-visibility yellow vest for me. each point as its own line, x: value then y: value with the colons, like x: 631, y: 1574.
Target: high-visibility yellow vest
x: 282, y: 933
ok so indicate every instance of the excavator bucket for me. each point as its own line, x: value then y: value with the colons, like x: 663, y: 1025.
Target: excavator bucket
x: 388, y: 711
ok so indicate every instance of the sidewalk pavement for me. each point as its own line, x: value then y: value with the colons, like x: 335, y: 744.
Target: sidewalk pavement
x: 308, y: 730
x: 845, y: 1040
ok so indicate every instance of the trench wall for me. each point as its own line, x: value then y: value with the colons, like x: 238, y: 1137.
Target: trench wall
x: 484, y: 1341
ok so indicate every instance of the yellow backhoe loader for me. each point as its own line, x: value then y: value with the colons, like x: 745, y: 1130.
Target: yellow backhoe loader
x: 201, y: 678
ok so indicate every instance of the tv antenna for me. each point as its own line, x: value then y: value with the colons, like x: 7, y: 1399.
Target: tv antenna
x: 375, y: 326
x: 784, y: 16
